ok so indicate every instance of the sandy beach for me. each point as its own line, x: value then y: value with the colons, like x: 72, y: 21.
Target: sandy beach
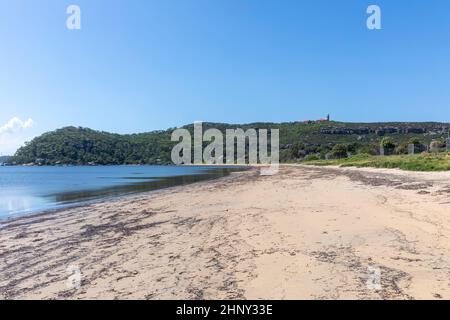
x: 304, y: 233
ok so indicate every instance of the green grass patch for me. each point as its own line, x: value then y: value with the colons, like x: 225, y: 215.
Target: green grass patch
x: 419, y: 162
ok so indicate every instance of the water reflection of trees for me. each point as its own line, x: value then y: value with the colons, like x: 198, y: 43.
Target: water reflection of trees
x: 145, y: 184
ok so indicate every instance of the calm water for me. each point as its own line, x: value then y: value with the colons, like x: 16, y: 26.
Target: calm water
x: 25, y: 190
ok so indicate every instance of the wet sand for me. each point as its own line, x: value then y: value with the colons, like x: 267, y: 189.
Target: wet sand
x: 305, y: 233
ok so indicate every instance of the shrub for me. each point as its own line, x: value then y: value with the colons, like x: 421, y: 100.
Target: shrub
x: 402, y: 148
x: 339, y: 151
x: 387, y: 143
x: 311, y: 157
x: 371, y: 149
x: 436, y: 145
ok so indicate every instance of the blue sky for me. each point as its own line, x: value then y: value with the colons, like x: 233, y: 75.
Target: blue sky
x: 143, y: 65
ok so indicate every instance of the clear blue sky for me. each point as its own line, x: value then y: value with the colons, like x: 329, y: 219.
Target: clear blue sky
x: 144, y: 65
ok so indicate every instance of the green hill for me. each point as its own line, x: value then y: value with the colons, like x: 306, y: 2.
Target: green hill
x: 76, y: 145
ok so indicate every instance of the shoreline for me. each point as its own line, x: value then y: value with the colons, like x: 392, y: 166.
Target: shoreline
x: 305, y: 233
x: 105, y: 200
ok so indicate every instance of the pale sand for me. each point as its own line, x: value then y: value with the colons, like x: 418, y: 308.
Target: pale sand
x: 305, y: 233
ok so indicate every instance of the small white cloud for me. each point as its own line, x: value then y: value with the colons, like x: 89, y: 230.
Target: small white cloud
x: 16, y: 124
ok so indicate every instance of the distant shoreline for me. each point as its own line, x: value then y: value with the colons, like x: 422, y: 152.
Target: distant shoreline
x: 78, y: 145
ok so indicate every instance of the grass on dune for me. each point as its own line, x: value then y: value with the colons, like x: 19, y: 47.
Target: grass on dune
x: 419, y: 162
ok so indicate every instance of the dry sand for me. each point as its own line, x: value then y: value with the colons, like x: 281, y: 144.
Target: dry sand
x: 305, y: 233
